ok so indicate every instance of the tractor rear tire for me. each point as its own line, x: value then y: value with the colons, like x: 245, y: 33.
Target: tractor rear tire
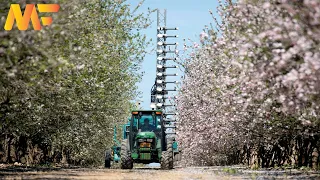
x: 167, y: 156
x: 107, y: 160
x: 126, y: 159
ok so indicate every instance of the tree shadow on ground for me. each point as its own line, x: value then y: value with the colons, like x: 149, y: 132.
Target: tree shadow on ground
x: 34, y: 168
x: 49, y: 173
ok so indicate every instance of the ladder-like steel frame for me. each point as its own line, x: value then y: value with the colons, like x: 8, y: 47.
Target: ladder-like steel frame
x: 159, y: 91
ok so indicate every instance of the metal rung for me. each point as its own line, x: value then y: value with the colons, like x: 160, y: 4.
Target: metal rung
x: 169, y: 120
x: 165, y: 59
x: 170, y: 114
x: 166, y: 28
x: 169, y: 126
x: 170, y: 67
x: 171, y: 82
x: 170, y: 90
x: 169, y: 105
x: 170, y: 132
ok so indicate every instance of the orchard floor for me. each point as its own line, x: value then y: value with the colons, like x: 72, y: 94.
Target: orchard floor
x: 154, y: 173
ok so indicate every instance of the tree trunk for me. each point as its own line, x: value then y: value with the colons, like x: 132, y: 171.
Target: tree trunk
x: 315, y: 156
x: 64, y: 156
x: 7, y: 148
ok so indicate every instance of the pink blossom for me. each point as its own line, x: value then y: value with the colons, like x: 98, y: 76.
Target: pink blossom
x: 203, y: 36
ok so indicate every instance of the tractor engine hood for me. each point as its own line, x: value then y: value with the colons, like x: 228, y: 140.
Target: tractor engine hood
x: 146, y: 135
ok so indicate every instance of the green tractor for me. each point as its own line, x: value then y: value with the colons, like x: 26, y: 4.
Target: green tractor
x: 145, y: 140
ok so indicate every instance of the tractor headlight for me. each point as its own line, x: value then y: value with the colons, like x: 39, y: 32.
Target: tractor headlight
x: 149, y: 140
x: 140, y: 140
x: 145, y: 145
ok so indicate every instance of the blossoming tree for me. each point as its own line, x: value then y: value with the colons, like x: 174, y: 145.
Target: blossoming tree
x: 252, y: 90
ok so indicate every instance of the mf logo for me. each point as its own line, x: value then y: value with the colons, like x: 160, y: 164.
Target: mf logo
x: 30, y: 13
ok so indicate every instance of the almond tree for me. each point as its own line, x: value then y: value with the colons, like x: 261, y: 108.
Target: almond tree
x: 251, y: 91
x: 64, y: 88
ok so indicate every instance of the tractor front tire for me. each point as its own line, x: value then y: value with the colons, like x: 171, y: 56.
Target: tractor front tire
x: 107, y: 160
x: 167, y: 157
x: 126, y: 159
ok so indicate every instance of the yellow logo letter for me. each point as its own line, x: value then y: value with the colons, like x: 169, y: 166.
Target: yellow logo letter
x: 22, y: 21
x: 29, y: 13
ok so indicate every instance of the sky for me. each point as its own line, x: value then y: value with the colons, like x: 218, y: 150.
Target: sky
x: 190, y: 16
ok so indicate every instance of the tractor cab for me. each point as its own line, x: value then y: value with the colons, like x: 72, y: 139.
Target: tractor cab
x: 146, y: 121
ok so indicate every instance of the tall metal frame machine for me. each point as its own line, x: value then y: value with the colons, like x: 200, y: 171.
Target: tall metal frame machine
x: 166, y: 51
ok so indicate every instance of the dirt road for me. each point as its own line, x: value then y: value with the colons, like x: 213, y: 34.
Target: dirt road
x: 152, y: 173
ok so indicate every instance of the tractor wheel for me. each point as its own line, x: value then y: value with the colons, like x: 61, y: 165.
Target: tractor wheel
x: 107, y: 160
x: 167, y: 157
x: 126, y: 160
